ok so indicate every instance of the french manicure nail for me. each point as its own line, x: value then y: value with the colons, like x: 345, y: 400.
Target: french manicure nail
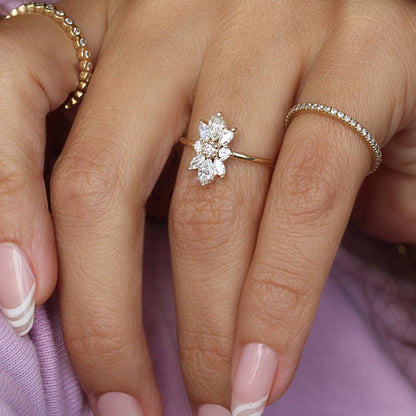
x: 213, y: 410
x: 17, y: 289
x: 116, y: 403
x: 253, y: 380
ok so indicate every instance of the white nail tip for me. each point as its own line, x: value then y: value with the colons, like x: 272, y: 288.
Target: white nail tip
x: 13, y: 313
x: 25, y: 330
x: 21, y: 317
x: 256, y: 407
x: 18, y: 323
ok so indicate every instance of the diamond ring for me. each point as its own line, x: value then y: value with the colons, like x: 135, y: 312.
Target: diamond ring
x: 328, y: 111
x: 212, y: 150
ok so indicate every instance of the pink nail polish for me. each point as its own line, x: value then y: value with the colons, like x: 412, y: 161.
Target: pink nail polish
x: 213, y: 410
x: 17, y: 288
x: 253, y: 380
x: 116, y: 403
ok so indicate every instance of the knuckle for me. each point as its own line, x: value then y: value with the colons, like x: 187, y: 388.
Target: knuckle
x: 96, y: 345
x: 285, y: 295
x: 311, y: 185
x: 203, y: 220
x: 84, y: 186
x: 206, y: 363
x: 13, y: 180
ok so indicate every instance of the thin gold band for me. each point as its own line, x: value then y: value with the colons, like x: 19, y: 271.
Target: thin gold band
x: 74, y: 33
x: 354, y: 125
x: 235, y: 155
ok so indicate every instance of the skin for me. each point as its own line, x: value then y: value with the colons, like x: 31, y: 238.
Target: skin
x: 251, y: 253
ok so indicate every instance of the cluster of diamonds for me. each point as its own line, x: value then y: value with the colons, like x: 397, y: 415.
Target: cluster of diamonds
x: 212, y: 149
x: 353, y: 124
x: 74, y: 33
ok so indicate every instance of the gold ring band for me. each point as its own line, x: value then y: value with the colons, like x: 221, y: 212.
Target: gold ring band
x: 325, y: 110
x: 235, y: 155
x: 74, y: 33
x: 212, y: 150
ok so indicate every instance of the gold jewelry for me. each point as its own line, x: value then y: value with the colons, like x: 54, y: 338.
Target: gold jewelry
x: 212, y: 150
x: 74, y: 33
x: 347, y: 120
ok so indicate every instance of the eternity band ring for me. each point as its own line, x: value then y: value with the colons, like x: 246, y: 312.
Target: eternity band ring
x: 354, y: 125
x: 85, y: 65
x: 212, y: 150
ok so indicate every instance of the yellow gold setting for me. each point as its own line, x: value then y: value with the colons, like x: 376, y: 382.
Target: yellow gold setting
x: 74, y: 34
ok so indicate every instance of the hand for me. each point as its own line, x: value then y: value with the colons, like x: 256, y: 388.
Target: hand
x: 248, y: 270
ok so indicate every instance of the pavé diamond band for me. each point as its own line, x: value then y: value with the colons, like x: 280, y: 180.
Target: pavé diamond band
x: 347, y: 120
x: 212, y: 150
x: 74, y: 33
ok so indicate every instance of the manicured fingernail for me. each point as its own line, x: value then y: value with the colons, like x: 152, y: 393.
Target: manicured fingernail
x: 17, y: 289
x: 213, y: 410
x: 253, y: 380
x: 116, y: 403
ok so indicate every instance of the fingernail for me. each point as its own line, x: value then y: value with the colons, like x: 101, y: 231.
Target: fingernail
x: 253, y: 380
x: 213, y: 410
x: 17, y: 289
x: 116, y: 403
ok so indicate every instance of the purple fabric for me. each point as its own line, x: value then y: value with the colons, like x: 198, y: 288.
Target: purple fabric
x: 348, y: 367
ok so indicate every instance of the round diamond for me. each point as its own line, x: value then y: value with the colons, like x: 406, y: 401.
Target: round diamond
x: 83, y: 42
x: 87, y: 54
x: 198, y: 146
x: 76, y: 31
x: 59, y: 13
x: 210, y: 150
x: 69, y: 21
x: 224, y: 153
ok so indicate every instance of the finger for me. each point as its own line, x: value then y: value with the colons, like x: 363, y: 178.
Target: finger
x: 320, y: 168
x: 213, y: 228
x: 110, y: 162
x: 35, y: 78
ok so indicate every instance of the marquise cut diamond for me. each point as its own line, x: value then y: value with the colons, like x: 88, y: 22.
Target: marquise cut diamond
x: 196, y: 162
x: 212, y: 149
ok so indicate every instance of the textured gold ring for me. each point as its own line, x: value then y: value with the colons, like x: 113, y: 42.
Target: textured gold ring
x: 74, y: 33
x: 325, y: 110
x: 212, y: 150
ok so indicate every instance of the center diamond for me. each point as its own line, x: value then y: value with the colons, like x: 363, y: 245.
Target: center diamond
x: 212, y: 149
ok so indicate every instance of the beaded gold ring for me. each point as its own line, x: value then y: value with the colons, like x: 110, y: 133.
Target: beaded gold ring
x: 74, y: 33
